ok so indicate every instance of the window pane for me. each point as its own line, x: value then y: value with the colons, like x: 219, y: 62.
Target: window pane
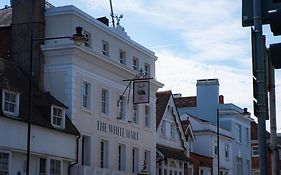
x: 4, y: 163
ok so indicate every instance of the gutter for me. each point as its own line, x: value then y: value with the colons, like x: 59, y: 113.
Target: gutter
x: 77, y: 154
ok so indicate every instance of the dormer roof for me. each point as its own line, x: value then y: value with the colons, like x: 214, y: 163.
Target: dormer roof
x: 13, y: 79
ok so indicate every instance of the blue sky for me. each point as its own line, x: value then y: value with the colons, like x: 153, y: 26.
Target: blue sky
x: 193, y: 39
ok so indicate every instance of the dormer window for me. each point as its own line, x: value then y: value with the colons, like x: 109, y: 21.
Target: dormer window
x: 57, y: 116
x: 10, y: 103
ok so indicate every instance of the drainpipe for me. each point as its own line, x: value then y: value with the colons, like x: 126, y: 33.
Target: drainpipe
x: 77, y: 154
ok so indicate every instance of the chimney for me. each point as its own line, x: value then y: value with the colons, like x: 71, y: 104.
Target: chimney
x: 104, y: 20
x: 27, y: 16
x: 221, y: 99
x: 207, y: 99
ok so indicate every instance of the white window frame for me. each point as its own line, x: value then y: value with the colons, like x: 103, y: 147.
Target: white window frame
x: 255, y: 151
x: 136, y: 63
x: 135, y: 114
x: 147, y: 159
x: 16, y: 103
x: 105, y: 48
x: 45, y: 166
x: 86, y: 95
x: 147, y: 117
x: 122, y: 108
x: 147, y: 69
x: 226, y: 151
x: 104, y: 153
x: 122, y: 57
x: 239, y: 165
x: 88, y: 38
x: 53, y: 116
x: 172, y: 131
x: 86, y: 150
x: 9, y: 161
x: 163, y: 128
x: 135, y: 160
x: 238, y: 133
x: 121, y: 157
x: 61, y: 165
x: 105, y: 101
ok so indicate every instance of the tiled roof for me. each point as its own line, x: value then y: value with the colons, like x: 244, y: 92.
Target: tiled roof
x: 185, y: 101
x: 172, y: 153
x: 161, y: 104
x: 5, y: 16
x: 12, y: 78
x: 200, y: 160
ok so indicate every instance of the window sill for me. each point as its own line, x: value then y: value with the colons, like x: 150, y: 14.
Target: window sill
x: 86, y: 110
x: 106, y: 116
x: 11, y: 114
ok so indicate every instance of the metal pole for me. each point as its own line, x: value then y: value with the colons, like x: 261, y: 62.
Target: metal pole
x: 112, y: 15
x: 29, y: 104
x: 218, y: 140
x: 261, y: 84
x: 273, y: 135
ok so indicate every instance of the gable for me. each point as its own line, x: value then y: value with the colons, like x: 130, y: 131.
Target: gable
x: 169, y: 129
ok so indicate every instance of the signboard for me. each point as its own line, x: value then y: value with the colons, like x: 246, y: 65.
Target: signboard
x: 248, y: 11
x: 140, y: 92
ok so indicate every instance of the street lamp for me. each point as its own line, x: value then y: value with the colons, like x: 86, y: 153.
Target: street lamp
x: 78, y: 39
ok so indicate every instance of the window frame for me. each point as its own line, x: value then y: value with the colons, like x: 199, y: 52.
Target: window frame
x: 105, y: 48
x: 53, y: 107
x: 226, y: 151
x: 88, y: 38
x: 16, y: 103
x: 172, y: 131
x: 135, y: 114
x: 147, y: 117
x: 105, y: 101
x: 121, y: 157
x: 122, y: 57
x: 135, y: 160
x: 147, y: 70
x: 122, y: 108
x: 255, y: 152
x: 86, y: 95
x: 104, y: 153
x: 238, y: 133
x: 60, y: 167
x: 135, y: 63
x: 147, y: 159
x: 8, y: 162
x: 163, y: 128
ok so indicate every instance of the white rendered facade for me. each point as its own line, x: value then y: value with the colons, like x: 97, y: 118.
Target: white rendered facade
x: 170, y: 134
x: 46, y: 143
x: 206, y: 144
x: 116, y: 139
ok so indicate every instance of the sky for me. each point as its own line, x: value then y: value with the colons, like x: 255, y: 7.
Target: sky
x: 193, y: 39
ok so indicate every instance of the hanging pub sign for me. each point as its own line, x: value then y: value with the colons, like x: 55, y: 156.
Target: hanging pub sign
x: 141, y: 92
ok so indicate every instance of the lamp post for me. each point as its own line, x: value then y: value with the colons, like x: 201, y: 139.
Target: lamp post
x: 78, y: 39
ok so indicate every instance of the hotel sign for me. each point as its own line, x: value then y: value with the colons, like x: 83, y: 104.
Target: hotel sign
x: 116, y: 130
x: 140, y: 92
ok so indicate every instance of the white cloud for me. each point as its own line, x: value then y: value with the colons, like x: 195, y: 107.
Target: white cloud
x: 180, y: 75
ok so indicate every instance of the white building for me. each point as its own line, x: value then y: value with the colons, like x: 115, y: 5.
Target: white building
x: 206, y: 144
x: 117, y: 136
x: 172, y: 146
x: 208, y: 105
x: 53, y: 139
